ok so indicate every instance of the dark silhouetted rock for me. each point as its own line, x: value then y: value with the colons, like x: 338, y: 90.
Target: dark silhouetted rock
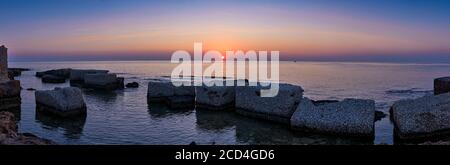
x: 441, y: 85
x: 63, y: 73
x: 350, y: 117
x: 53, y: 79
x: 132, y: 85
x: 379, y: 115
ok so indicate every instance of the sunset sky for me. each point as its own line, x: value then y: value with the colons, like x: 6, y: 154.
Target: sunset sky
x: 298, y: 29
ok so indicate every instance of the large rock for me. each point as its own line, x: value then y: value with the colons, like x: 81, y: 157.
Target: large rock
x: 163, y: 91
x: 77, y: 75
x: 61, y: 101
x: 279, y: 108
x: 63, y: 73
x: 441, y: 85
x: 52, y: 79
x: 9, y: 94
x: 424, y: 117
x: 10, y: 136
x: 103, y: 81
x: 215, y: 97
x: 350, y: 117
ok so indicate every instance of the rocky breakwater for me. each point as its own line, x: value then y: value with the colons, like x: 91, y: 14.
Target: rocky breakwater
x: 176, y: 97
x: 10, y: 136
x: 422, y: 118
x: 350, y: 117
x: 62, y: 102
x: 441, y: 85
x: 10, y: 94
x: 215, y: 95
x: 279, y: 108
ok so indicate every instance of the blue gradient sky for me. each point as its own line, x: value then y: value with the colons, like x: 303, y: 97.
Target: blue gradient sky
x: 373, y: 30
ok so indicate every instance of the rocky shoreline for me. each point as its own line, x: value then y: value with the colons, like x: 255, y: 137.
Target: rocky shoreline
x: 10, y: 136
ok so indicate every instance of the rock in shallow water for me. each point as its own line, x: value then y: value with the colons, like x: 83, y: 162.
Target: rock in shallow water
x: 424, y: 117
x: 10, y: 136
x: 441, y: 85
x: 350, y: 117
x: 77, y: 75
x: 53, y: 79
x: 279, y: 108
x: 215, y: 97
x: 61, y: 101
x: 102, y: 81
x: 163, y: 91
x: 63, y: 73
x: 132, y: 85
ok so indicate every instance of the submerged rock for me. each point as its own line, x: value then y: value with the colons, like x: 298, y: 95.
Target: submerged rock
x: 10, y: 136
x: 163, y: 91
x: 350, y: 117
x: 441, y: 85
x: 215, y: 97
x: 62, y: 102
x: 10, y: 94
x: 106, y: 81
x: 424, y: 117
x: 132, y: 85
x: 279, y: 108
x: 53, y: 79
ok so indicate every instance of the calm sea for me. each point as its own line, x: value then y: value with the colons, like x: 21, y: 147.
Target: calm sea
x: 124, y: 117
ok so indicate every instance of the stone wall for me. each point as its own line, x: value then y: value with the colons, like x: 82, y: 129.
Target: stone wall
x: 3, y: 63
